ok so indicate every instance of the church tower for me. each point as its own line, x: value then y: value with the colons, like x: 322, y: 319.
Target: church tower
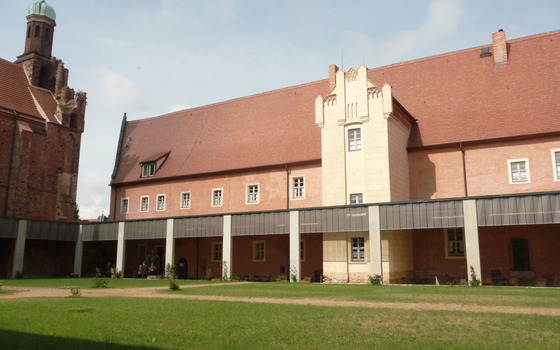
x: 36, y: 58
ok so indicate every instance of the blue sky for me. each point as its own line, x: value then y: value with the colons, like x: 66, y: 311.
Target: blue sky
x: 148, y: 58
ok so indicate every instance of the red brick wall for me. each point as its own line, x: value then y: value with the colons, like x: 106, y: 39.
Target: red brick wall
x: 48, y: 258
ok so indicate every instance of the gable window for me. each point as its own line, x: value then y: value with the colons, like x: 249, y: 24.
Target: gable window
x: 356, y: 198
x: 298, y: 187
x: 185, y: 200
x: 160, y: 202
x: 217, y: 250
x: 455, y: 242
x: 144, y: 203
x: 518, y: 171
x: 521, y: 258
x: 217, y: 198
x: 556, y: 163
x: 358, y: 249
x: 148, y: 169
x: 355, y: 139
x: 124, y: 205
x: 252, y: 193
x: 259, y: 251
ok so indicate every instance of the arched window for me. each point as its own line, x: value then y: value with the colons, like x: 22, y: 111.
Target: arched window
x: 28, y: 32
x: 520, y: 252
x: 47, y: 33
x: 37, y: 31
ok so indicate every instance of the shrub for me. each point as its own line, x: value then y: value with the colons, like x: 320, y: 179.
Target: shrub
x: 234, y: 278
x: 376, y: 279
x: 170, y: 275
x: 75, y: 292
x: 474, y: 282
x: 98, y: 280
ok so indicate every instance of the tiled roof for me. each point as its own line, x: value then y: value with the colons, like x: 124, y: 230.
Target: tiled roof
x: 460, y: 96
x: 17, y: 94
x: 267, y: 129
x: 455, y: 97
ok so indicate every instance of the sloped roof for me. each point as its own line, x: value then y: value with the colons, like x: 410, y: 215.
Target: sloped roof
x: 461, y: 97
x: 272, y: 128
x: 455, y: 97
x: 16, y: 94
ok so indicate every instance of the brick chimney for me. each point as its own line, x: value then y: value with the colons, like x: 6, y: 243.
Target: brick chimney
x: 500, y: 48
x: 332, y: 76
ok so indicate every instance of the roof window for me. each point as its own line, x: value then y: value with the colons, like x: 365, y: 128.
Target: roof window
x: 152, y: 164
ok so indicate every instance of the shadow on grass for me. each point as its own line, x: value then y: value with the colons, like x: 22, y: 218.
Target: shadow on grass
x: 19, y: 340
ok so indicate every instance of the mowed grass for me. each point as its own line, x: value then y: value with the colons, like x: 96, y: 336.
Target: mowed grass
x: 137, y: 323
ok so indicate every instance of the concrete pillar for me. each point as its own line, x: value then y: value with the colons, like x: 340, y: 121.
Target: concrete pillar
x: 295, y: 268
x: 19, y: 250
x: 169, y: 243
x: 375, y: 257
x: 226, y: 248
x: 78, y: 253
x: 471, y: 238
x: 120, y: 248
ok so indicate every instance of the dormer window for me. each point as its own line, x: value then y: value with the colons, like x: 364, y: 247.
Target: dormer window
x: 148, y: 169
x: 149, y: 166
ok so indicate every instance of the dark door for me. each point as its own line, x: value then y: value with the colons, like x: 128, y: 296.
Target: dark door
x: 182, y: 269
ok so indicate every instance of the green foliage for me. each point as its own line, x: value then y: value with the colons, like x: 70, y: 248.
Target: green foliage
x: 293, y: 273
x: 474, y: 282
x: 225, y: 272
x: 75, y: 291
x: 171, y: 277
x: 98, y: 280
x: 234, y: 278
x: 307, y: 279
x: 376, y: 279
x: 281, y: 278
x: 209, y: 274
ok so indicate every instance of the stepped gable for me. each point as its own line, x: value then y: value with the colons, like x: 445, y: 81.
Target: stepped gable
x: 272, y: 128
x: 462, y: 97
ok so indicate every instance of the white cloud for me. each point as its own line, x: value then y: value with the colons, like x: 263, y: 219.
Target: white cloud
x: 118, y: 91
x: 93, y: 195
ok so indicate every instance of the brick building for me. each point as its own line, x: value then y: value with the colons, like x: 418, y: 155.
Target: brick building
x: 417, y: 170
x: 41, y: 123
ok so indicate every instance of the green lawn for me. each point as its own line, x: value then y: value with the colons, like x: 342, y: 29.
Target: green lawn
x: 133, y: 323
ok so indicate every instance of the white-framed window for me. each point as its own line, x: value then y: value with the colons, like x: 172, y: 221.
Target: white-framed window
x: 252, y: 193
x: 556, y: 163
x: 455, y: 242
x: 259, y: 250
x: 298, y: 187
x: 185, y: 200
x: 148, y: 169
x: 519, y: 171
x: 354, y: 139
x: 217, y: 197
x: 124, y: 205
x: 144, y: 203
x: 358, y: 249
x: 217, y: 251
x: 356, y: 198
x: 160, y: 202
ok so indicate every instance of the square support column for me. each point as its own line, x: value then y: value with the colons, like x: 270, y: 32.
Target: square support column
x: 375, y: 257
x: 295, y: 262
x: 169, y: 243
x: 120, y: 248
x: 78, y: 253
x: 226, y: 248
x: 19, y: 249
x: 471, y: 238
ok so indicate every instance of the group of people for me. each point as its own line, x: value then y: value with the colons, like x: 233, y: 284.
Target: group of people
x: 111, y: 271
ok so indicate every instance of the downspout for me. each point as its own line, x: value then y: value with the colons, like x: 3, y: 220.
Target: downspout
x: 287, y: 188
x: 11, y: 167
x: 464, y: 169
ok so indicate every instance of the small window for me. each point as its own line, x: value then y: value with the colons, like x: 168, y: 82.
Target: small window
x: 302, y: 250
x: 356, y: 198
x: 455, y: 242
x: 144, y: 203
x: 519, y: 171
x: 259, y: 251
x: 252, y: 193
x: 298, y: 187
x: 185, y: 200
x: 521, y: 257
x: 354, y: 139
x: 160, y: 202
x: 37, y: 31
x: 217, y: 198
x: 217, y: 251
x: 556, y: 163
x: 148, y: 169
x: 124, y: 205
x: 358, y: 249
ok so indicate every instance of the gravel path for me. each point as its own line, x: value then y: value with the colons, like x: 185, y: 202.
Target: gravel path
x: 154, y: 292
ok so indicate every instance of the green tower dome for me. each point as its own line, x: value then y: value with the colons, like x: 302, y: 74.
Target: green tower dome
x: 42, y: 8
